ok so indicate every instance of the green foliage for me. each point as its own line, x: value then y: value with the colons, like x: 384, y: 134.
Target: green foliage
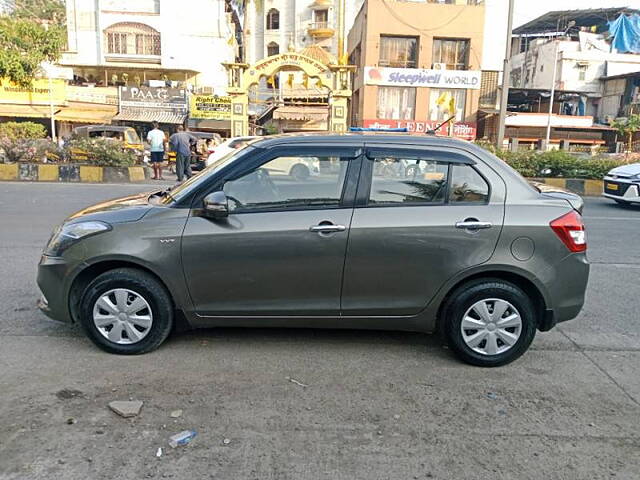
x: 627, y: 127
x: 556, y: 163
x: 49, y: 11
x: 24, y: 45
x: 105, y: 152
x: 22, y: 141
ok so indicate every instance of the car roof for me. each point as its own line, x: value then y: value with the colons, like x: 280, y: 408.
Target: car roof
x: 355, y: 138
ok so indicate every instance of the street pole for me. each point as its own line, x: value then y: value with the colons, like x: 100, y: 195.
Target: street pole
x: 51, y: 110
x: 506, y: 73
x: 552, y: 94
x: 341, y: 60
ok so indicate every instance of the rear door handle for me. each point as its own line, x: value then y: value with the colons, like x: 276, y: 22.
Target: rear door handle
x: 473, y: 225
x: 327, y: 228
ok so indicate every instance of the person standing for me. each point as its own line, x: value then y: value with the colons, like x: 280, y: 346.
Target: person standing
x: 181, y: 142
x: 155, y: 138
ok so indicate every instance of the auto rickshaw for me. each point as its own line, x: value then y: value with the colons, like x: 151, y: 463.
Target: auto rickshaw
x: 125, y: 134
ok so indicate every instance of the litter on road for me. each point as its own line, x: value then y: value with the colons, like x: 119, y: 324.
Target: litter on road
x: 126, y: 409
x: 181, y: 438
x: 175, y: 413
x: 293, y: 380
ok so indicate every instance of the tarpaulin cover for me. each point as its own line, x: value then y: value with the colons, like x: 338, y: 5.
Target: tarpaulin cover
x: 625, y: 31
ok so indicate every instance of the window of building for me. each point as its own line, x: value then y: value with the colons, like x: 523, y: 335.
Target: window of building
x: 398, y: 52
x: 467, y: 185
x: 439, y: 110
x: 132, y: 39
x: 273, y: 19
x: 273, y: 49
x: 321, y: 18
x: 408, y: 181
x: 452, y: 52
x: 582, y: 72
x: 489, y: 87
x: 396, y: 103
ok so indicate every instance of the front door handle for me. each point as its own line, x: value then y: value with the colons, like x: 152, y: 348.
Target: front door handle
x: 327, y: 228
x: 473, y: 224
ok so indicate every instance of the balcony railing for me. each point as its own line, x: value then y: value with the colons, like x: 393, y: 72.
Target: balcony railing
x: 320, y: 29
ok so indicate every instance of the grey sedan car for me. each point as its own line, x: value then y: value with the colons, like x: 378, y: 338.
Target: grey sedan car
x: 461, y: 245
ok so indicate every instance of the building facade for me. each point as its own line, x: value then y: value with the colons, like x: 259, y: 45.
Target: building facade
x: 122, y: 42
x: 420, y: 64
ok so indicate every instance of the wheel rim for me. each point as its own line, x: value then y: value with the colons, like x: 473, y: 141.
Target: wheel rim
x: 491, y: 326
x: 122, y: 316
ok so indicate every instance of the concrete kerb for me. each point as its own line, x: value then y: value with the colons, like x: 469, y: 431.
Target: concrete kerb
x: 581, y: 186
x: 50, y: 172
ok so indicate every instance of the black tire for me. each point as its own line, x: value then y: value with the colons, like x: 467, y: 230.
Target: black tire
x: 624, y: 203
x: 144, y: 285
x: 467, y: 295
x: 300, y: 172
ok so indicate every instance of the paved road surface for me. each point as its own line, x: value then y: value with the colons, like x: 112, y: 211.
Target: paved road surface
x: 378, y: 405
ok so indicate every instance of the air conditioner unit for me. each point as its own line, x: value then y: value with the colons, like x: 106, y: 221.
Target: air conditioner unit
x: 439, y: 66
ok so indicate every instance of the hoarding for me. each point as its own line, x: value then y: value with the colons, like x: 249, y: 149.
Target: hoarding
x: 464, y: 130
x: 419, y: 77
x: 210, y: 107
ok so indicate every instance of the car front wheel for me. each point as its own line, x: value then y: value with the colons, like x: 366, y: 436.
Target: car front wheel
x: 126, y: 311
x: 489, y: 322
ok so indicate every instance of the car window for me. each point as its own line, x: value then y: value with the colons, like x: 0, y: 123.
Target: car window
x: 404, y: 181
x: 467, y: 185
x: 132, y: 136
x: 289, y: 182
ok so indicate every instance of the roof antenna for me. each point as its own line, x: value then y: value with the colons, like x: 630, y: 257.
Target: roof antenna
x: 433, y: 131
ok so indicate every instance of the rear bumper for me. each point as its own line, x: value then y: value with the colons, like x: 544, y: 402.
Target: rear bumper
x: 567, y: 291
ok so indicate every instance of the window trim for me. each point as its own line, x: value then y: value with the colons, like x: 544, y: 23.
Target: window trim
x: 416, y: 62
x: 420, y: 152
x: 467, y: 63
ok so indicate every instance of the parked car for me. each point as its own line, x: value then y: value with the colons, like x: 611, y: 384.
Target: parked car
x: 127, y: 135
x: 226, y: 147
x: 468, y: 249
x: 622, y: 184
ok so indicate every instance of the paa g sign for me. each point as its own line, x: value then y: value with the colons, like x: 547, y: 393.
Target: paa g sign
x: 421, y: 77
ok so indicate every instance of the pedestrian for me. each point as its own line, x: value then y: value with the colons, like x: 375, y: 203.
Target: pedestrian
x: 180, y: 143
x: 155, y: 138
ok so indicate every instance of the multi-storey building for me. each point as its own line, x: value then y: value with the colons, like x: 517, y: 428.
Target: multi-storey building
x: 421, y: 63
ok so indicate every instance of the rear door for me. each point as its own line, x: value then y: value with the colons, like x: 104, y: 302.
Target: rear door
x: 421, y: 216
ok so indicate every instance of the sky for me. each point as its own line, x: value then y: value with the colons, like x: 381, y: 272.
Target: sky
x: 526, y: 10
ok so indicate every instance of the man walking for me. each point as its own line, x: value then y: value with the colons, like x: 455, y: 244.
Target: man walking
x: 181, y: 144
x: 155, y: 138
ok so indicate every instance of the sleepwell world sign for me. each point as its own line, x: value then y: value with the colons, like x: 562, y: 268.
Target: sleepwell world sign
x: 420, y: 77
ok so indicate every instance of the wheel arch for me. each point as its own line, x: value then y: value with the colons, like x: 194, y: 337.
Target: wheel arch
x: 86, y: 275
x: 519, y: 280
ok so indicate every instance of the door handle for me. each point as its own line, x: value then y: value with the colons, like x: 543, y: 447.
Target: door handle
x: 327, y: 228
x: 470, y: 224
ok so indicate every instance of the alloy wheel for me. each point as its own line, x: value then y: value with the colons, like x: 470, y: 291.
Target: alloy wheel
x: 122, y: 316
x: 491, y: 326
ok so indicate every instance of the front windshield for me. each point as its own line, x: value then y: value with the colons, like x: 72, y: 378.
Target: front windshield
x: 194, y: 182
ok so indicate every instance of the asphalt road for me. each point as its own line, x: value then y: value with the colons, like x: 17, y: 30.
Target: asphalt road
x: 377, y: 405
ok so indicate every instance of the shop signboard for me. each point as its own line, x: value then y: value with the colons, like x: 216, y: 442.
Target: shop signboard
x: 420, y: 77
x: 209, y: 107
x: 464, y: 130
x: 41, y: 92
x: 165, y: 98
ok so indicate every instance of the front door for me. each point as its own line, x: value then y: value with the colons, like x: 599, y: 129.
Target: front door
x: 421, y: 216
x: 281, y: 250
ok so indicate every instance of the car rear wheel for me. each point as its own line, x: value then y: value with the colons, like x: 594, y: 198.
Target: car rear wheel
x: 489, y: 322
x: 126, y: 311
x: 300, y: 172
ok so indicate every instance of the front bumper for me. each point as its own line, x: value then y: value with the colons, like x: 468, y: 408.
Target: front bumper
x: 619, y: 189
x: 52, y: 275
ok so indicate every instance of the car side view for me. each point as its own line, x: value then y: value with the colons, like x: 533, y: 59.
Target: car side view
x: 393, y: 231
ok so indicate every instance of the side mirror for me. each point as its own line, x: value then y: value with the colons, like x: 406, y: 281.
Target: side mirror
x: 215, y: 205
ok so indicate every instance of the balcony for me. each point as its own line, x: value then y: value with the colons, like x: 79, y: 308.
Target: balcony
x: 320, y: 30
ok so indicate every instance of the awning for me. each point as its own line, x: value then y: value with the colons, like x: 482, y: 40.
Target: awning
x: 301, y: 113
x: 209, y: 124
x: 81, y: 112
x: 30, y: 111
x: 151, y: 115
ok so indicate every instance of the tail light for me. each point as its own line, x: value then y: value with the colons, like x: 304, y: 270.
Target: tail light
x: 570, y: 229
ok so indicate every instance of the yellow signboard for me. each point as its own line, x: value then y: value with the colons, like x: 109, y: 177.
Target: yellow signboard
x: 210, y: 107
x: 40, y: 92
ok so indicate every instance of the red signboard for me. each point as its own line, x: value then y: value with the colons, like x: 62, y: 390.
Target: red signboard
x: 463, y: 130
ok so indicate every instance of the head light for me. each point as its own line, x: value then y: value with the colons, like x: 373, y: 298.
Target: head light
x: 67, y: 234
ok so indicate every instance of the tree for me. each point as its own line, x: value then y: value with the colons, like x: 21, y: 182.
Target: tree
x: 27, y: 40
x: 627, y: 127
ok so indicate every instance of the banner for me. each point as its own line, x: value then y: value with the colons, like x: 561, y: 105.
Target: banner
x: 210, y: 107
x: 418, y: 77
x: 464, y: 130
x: 38, y: 93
